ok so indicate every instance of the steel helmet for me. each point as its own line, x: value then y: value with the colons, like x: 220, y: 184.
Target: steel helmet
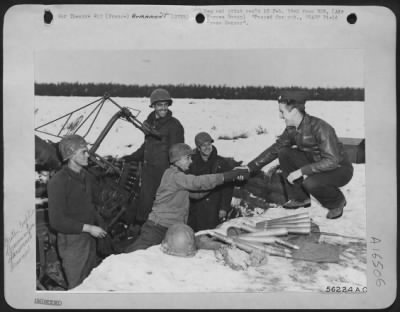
x: 160, y: 95
x: 202, y: 137
x: 179, y: 241
x: 179, y: 150
x: 70, y: 144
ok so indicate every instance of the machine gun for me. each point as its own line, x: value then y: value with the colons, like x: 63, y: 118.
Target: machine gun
x: 118, y: 184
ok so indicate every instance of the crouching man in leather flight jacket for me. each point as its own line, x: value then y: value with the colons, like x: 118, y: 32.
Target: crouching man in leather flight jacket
x: 311, y: 157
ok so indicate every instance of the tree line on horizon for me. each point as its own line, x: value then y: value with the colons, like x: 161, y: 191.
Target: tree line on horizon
x: 194, y: 91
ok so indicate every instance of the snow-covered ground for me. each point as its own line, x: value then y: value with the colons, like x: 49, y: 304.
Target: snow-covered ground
x: 153, y: 271
x: 257, y: 124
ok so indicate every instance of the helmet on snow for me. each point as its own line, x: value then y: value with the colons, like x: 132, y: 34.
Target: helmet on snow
x: 160, y: 95
x: 179, y: 241
x: 179, y: 150
x: 70, y: 144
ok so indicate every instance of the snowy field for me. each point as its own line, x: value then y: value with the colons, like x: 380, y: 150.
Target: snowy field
x: 255, y: 125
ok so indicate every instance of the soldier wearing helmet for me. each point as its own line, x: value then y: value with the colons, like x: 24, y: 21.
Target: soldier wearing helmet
x: 171, y: 205
x: 206, y: 213
x: 72, y: 212
x: 154, y: 152
x: 310, y: 155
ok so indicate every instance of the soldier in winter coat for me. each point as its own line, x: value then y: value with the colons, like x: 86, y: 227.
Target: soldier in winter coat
x: 206, y: 213
x: 311, y: 157
x: 171, y: 205
x: 72, y: 212
x: 154, y: 151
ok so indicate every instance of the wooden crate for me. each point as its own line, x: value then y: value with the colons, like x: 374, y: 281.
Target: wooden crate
x: 355, y: 149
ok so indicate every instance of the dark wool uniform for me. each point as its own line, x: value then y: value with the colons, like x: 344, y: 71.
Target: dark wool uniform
x: 204, y: 212
x: 314, y: 149
x: 154, y: 154
x: 70, y: 207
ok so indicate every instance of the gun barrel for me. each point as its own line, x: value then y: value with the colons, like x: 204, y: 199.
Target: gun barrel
x: 299, y: 223
x: 297, y: 216
x: 234, y: 242
x: 259, y: 239
x: 281, y: 231
x: 286, y: 244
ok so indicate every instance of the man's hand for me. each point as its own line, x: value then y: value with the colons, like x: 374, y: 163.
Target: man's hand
x: 293, y: 176
x: 94, y: 230
x: 243, y: 173
x: 240, y: 178
x: 245, y: 176
x: 236, y: 174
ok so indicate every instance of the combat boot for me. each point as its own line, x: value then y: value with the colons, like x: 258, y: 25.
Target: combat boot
x: 336, y: 212
x: 294, y: 204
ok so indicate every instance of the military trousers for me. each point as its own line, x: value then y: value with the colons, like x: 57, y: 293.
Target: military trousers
x: 324, y: 186
x: 151, y: 234
x: 78, y: 256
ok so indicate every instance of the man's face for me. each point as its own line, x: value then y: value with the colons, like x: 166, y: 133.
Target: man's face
x: 205, y: 149
x: 184, y: 162
x: 80, y: 157
x: 161, y: 109
x: 285, y: 114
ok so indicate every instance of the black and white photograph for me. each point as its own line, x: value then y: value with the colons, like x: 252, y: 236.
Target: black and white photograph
x: 227, y: 116
x: 234, y: 168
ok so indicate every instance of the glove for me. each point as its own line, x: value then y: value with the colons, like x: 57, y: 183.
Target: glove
x: 126, y: 111
x: 230, y: 176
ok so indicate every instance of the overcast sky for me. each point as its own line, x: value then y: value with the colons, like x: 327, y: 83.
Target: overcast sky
x: 272, y: 67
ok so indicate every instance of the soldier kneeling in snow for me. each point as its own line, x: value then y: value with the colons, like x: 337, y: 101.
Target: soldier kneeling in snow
x: 206, y: 213
x: 171, y: 205
x: 310, y: 155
